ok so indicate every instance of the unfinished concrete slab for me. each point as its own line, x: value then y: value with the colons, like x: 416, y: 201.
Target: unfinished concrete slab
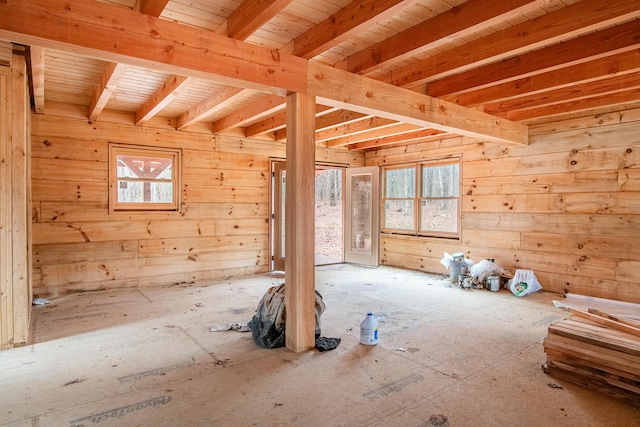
x: 446, y: 356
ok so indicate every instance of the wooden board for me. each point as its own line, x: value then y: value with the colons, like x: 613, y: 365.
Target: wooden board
x: 595, y: 356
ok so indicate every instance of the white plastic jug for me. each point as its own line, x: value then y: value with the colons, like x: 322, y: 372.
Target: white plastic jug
x: 369, y: 330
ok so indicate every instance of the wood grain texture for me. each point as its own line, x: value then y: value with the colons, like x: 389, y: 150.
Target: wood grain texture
x: 565, y: 206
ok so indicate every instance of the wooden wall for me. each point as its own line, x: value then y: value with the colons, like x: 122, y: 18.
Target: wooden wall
x: 223, y: 230
x: 567, y: 206
x: 15, y: 218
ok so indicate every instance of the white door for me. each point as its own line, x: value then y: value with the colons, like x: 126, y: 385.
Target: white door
x: 362, y: 206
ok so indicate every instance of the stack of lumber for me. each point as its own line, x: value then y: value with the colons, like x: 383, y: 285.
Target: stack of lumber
x: 597, y: 351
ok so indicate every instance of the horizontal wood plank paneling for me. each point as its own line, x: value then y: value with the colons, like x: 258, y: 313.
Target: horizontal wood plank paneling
x: 566, y: 206
x: 222, y: 229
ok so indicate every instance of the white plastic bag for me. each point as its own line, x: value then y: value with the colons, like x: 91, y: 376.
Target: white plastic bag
x: 524, y: 282
x: 486, y: 268
x: 446, y: 260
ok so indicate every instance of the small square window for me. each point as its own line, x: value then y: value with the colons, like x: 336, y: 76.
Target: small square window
x: 144, y: 178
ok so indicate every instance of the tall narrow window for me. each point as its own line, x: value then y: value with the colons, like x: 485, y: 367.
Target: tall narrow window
x: 399, y: 198
x: 439, y: 198
x: 142, y: 178
x: 422, y: 198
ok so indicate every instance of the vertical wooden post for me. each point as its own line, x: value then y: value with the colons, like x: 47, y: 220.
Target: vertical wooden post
x: 21, y: 198
x: 300, y: 223
x: 15, y: 208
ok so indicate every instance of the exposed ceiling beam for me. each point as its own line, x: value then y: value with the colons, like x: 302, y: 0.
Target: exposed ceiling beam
x: 139, y: 40
x: 563, y: 95
x: 114, y: 71
x: 600, y: 44
x: 602, y: 68
x: 108, y: 83
x: 251, y: 15
x: 397, y: 128
x: 459, y: 21
x: 145, y: 41
x: 356, y: 17
x: 337, y: 117
x: 208, y: 106
x: 596, y: 102
x: 353, y: 128
x: 277, y: 123
x: 571, y: 21
x: 37, y: 77
x: 163, y: 97
x: 365, y: 95
x: 153, y: 7
x: 267, y: 106
x: 405, y: 138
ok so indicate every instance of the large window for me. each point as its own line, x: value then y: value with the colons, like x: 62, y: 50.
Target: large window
x: 422, y: 198
x: 142, y: 178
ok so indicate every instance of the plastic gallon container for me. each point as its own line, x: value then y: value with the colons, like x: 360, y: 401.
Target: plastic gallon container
x: 369, y: 330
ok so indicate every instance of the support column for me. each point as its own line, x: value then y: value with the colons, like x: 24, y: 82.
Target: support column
x: 300, y: 223
x: 15, y: 207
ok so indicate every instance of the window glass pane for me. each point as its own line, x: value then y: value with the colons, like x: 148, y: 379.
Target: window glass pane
x: 441, y: 181
x: 144, y: 167
x: 400, y: 183
x: 439, y: 215
x: 399, y: 214
x: 145, y: 192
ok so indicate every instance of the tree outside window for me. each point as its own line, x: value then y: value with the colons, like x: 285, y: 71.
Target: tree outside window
x: 422, y: 198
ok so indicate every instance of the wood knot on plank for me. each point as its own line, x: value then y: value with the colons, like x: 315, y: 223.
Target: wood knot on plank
x: 275, y: 55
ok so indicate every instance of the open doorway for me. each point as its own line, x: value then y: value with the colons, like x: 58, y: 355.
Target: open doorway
x: 329, y: 214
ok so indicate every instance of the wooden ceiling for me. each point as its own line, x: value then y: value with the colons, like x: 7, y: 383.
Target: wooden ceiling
x: 517, y: 60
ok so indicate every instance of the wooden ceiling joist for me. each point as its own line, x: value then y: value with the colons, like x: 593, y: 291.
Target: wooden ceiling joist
x: 163, y: 97
x: 251, y: 15
x: 599, y: 69
x: 355, y: 18
x: 110, y: 79
x: 356, y: 127
x: 459, y: 21
x: 571, y: 21
x: 394, y: 129
x: 590, y: 47
x: 342, y: 89
x: 267, y: 106
x: 629, y: 97
x: 208, y: 106
x: 405, y: 138
x: 138, y: 40
x: 153, y: 7
x: 570, y: 93
x: 336, y: 118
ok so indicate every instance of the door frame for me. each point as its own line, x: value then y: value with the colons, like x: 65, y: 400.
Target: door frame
x: 274, y: 227
x: 353, y: 254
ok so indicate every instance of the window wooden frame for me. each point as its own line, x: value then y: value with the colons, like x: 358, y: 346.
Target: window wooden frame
x: 419, y: 199
x: 157, y: 154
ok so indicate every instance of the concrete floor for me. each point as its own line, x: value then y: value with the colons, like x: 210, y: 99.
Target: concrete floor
x: 445, y: 357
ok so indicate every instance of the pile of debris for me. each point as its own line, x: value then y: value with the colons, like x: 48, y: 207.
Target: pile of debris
x: 488, y: 274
